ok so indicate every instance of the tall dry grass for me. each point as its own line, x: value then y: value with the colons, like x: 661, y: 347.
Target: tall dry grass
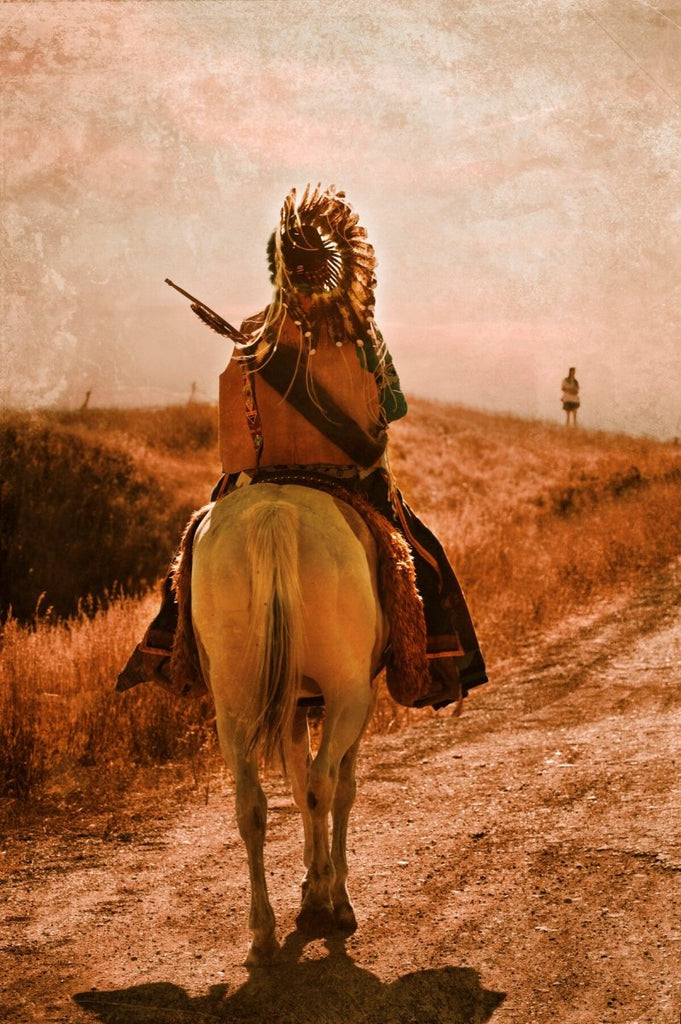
x: 539, y: 521
x: 177, y: 429
x: 61, y: 724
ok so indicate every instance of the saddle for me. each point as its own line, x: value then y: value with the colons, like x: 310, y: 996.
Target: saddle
x: 404, y: 658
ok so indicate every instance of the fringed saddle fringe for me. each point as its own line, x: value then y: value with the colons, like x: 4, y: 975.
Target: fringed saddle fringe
x: 185, y: 666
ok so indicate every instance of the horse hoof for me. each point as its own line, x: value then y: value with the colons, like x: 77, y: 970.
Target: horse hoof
x: 316, y: 922
x: 344, y: 918
x: 262, y: 953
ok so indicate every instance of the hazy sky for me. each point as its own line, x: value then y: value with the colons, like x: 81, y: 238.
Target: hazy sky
x: 517, y: 166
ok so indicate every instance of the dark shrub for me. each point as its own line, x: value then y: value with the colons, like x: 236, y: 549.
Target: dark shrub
x: 78, y: 517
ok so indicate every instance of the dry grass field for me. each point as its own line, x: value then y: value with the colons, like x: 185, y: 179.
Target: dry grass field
x: 519, y: 863
x: 540, y: 522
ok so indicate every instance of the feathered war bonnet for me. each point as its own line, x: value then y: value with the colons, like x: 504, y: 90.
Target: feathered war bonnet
x: 319, y: 250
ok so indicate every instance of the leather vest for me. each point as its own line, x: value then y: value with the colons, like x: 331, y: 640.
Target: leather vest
x: 288, y: 437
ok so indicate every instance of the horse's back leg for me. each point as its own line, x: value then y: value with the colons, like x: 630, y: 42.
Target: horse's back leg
x: 297, y: 755
x: 251, y: 814
x: 342, y: 730
x: 346, y: 789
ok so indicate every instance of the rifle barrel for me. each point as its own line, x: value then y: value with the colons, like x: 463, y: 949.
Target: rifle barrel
x: 237, y: 337
x: 186, y: 294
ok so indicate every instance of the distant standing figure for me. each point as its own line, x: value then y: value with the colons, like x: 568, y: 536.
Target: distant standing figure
x: 570, y: 396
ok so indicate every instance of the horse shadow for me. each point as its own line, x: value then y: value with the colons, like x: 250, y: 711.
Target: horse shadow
x: 332, y: 990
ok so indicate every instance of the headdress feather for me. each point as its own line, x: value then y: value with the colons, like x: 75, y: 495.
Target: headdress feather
x: 320, y: 248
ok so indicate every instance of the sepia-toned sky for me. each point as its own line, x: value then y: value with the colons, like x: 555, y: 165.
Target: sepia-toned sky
x: 517, y: 164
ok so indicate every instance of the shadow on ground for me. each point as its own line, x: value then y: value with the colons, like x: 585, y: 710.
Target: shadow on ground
x: 294, y: 991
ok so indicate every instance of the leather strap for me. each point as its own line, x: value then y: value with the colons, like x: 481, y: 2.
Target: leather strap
x: 252, y: 413
x: 285, y: 371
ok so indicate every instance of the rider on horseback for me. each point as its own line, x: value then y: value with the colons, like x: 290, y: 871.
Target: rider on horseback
x: 308, y: 398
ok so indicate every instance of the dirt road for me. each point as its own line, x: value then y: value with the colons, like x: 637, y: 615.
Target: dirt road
x: 521, y: 864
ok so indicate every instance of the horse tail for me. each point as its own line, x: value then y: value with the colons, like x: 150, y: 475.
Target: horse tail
x: 274, y: 656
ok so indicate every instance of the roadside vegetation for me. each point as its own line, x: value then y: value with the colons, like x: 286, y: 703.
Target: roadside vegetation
x: 92, y: 502
x: 539, y: 521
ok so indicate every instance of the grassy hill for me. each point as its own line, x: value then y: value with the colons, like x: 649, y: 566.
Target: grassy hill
x: 539, y: 521
x: 537, y: 518
x: 93, y: 502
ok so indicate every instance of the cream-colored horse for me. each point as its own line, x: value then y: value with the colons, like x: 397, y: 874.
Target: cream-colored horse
x: 285, y: 605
